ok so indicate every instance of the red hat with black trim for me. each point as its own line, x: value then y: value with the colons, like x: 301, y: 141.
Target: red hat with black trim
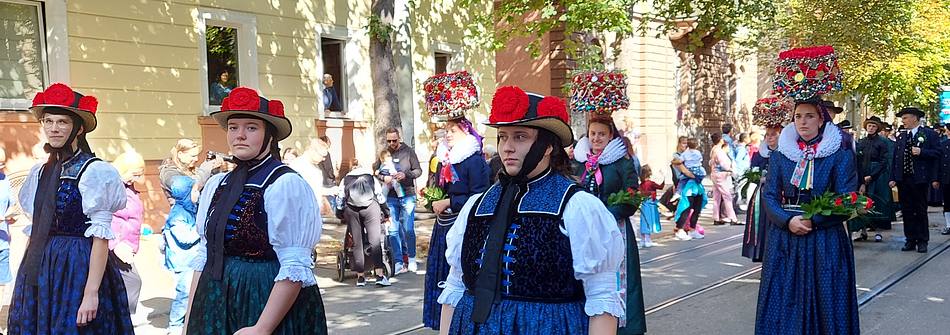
x: 245, y: 101
x: 62, y: 96
x: 449, y: 95
x: 511, y: 106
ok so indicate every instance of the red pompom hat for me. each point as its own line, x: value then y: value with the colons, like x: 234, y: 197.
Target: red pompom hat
x: 62, y: 96
x: 246, y: 101
x: 511, y: 106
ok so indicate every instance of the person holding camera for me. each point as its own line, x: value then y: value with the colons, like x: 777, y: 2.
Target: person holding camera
x: 184, y: 162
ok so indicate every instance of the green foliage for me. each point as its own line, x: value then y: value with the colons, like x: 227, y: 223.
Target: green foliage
x: 432, y: 194
x: 894, y: 52
x: 535, y: 18
x: 750, y: 177
x: 222, y: 43
x: 721, y: 19
x: 379, y: 29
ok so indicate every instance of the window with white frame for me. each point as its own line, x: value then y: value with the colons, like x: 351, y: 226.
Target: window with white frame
x: 228, y: 48
x: 22, y: 50
x: 334, y: 76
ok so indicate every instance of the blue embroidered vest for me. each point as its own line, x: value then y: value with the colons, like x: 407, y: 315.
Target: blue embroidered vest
x: 69, y: 219
x: 245, y: 234
x: 537, y: 259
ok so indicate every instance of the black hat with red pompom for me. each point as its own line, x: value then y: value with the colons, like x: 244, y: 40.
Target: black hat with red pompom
x: 243, y: 101
x: 511, y: 106
x: 62, y: 96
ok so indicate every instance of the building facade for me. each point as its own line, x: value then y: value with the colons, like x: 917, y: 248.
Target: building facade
x: 159, y: 67
x: 673, y: 91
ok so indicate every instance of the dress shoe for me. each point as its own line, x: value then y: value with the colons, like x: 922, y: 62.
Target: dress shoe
x: 909, y: 246
x: 922, y: 247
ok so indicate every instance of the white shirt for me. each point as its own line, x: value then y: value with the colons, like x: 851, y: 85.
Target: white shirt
x: 102, y: 190
x: 293, y: 225
x: 596, y: 244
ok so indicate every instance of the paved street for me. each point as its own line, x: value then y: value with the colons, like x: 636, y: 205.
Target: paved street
x: 691, y: 287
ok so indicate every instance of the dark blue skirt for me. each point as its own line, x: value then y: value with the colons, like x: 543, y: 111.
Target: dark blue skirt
x: 521, y: 317
x: 437, y: 270
x: 756, y: 223
x: 807, y: 285
x: 50, y: 307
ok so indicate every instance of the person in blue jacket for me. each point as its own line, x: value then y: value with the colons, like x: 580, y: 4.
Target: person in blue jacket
x: 181, y: 238
x: 808, y: 281
x: 461, y: 172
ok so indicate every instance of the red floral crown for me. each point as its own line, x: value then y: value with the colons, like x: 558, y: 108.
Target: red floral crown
x: 804, y: 73
x: 449, y: 95
x: 247, y: 99
x: 61, y: 95
x: 772, y: 111
x: 512, y: 104
x: 599, y: 93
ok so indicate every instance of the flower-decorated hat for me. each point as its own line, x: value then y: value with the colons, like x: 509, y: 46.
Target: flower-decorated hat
x: 246, y: 101
x: 62, y: 96
x: 449, y: 95
x: 511, y: 106
x: 772, y: 111
x: 804, y: 73
x: 599, y: 94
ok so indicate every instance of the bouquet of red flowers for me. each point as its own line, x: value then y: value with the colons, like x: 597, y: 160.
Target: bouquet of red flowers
x: 629, y: 197
x: 852, y: 205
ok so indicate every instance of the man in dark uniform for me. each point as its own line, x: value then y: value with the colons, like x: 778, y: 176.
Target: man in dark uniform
x: 914, y: 171
x: 945, y: 179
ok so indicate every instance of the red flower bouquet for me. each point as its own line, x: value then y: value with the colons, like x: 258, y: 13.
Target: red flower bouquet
x: 852, y: 205
x: 629, y: 197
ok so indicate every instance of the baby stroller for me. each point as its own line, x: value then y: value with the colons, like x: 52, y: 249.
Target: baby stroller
x: 345, y: 255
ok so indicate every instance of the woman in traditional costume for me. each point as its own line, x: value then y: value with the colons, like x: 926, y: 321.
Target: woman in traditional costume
x: 808, y: 282
x: 771, y: 113
x: 254, y: 271
x: 461, y: 172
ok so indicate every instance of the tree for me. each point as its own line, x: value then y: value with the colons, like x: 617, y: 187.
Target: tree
x: 588, y: 20
x: 893, y: 52
x: 382, y: 67
x: 720, y: 19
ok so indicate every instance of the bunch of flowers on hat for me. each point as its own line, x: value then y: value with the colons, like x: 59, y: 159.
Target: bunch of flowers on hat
x: 62, y: 96
x: 449, y: 95
x: 805, y: 73
x: 772, y: 111
x: 511, y: 106
x: 245, y: 101
x: 599, y: 93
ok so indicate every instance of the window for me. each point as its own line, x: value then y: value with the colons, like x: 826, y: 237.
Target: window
x: 334, y: 77
x: 442, y: 62
x: 222, y: 62
x: 23, y: 70
x: 228, y: 47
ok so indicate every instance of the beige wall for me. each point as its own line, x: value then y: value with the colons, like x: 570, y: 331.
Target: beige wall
x: 142, y: 60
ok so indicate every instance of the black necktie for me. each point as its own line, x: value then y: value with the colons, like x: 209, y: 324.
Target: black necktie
x: 487, y: 285
x: 44, y: 210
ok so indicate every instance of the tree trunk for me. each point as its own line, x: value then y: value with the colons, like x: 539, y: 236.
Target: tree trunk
x: 382, y: 66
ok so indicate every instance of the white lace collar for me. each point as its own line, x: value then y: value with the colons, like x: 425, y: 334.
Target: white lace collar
x: 764, y: 150
x: 788, y: 142
x: 467, y: 147
x: 614, y: 151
